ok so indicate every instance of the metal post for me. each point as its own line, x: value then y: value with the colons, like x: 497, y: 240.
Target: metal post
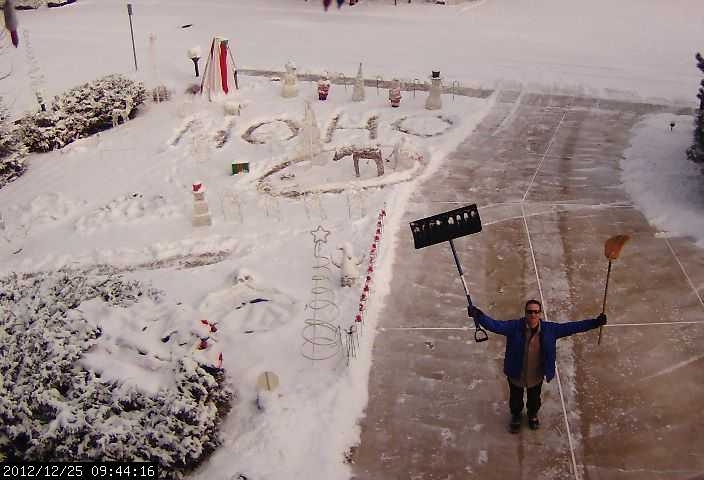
x: 134, y: 52
x: 455, y: 87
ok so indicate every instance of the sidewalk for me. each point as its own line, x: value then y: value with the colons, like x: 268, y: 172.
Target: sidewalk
x: 544, y: 171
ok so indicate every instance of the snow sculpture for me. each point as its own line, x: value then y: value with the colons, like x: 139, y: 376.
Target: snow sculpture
x: 232, y: 108
x: 309, y: 146
x: 125, y: 114
x: 201, y: 215
x: 290, y: 88
x: 395, y: 93
x: 403, y: 155
x: 358, y: 90
x: 434, y: 101
x: 370, y: 152
x: 348, y: 265
x: 323, y: 87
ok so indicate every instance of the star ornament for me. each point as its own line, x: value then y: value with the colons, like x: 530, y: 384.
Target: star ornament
x: 320, y: 235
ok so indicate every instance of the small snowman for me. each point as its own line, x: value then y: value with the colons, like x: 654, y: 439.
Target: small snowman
x: 348, y: 265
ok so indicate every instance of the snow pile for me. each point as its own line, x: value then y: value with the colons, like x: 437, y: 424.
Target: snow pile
x: 53, y: 410
x: 662, y: 182
x: 128, y: 209
x: 82, y: 111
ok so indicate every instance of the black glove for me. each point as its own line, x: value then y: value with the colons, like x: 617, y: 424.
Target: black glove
x: 473, y: 311
x: 601, y: 319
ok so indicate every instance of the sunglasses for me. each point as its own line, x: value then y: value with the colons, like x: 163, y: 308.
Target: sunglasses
x: 534, y: 312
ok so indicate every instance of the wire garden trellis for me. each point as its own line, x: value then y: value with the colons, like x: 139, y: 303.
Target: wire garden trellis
x: 322, y: 339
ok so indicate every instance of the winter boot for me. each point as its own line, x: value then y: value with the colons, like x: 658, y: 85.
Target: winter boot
x: 533, y: 423
x: 515, y: 425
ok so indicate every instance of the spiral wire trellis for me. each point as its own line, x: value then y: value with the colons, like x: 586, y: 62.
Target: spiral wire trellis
x: 322, y: 339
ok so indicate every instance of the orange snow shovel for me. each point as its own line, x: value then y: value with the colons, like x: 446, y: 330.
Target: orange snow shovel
x: 612, y: 248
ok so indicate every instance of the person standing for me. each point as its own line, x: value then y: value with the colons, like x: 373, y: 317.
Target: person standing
x: 531, y: 347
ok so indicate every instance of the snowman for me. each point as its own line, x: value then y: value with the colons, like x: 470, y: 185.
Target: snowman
x: 348, y: 265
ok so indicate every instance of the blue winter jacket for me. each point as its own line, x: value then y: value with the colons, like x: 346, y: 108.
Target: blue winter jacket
x: 515, y: 333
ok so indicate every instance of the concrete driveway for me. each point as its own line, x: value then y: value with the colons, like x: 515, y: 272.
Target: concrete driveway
x: 544, y: 171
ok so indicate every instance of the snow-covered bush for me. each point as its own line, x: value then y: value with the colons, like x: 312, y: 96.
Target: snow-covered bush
x: 696, y: 151
x: 34, y: 4
x: 11, y: 149
x: 51, y: 409
x: 80, y: 112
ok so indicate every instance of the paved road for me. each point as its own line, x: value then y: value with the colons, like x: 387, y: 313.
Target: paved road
x: 544, y: 171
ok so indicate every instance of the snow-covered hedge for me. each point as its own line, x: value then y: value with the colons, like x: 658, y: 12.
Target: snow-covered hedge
x: 34, y: 4
x: 11, y: 150
x: 51, y: 409
x: 696, y: 152
x: 80, y: 112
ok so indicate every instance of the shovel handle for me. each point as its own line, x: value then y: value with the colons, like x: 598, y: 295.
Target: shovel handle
x: 480, y: 334
x: 603, y: 305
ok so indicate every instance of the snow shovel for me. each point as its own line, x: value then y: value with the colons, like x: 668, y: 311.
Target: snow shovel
x: 444, y: 227
x: 612, y: 248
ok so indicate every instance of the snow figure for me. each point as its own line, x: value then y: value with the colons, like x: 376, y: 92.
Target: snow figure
x: 11, y: 21
x: 403, y: 155
x: 201, y: 215
x: 434, y: 101
x: 358, y: 91
x: 323, y: 87
x: 371, y: 152
x: 309, y: 146
x: 115, y: 117
x: 348, y: 265
x: 290, y: 88
x: 232, y: 108
x: 125, y: 114
x: 395, y: 93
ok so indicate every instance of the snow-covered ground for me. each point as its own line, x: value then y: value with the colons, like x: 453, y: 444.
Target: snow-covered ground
x: 123, y: 198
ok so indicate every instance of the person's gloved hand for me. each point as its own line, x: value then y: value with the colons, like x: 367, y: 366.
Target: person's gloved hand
x: 473, y: 311
x: 601, y: 319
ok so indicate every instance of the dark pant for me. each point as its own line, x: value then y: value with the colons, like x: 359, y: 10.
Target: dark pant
x: 515, y: 401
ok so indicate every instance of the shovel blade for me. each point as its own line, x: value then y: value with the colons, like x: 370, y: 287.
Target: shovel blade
x: 446, y: 226
x: 613, y: 246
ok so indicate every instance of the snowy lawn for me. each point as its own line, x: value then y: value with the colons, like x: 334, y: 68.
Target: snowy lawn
x: 120, y: 203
